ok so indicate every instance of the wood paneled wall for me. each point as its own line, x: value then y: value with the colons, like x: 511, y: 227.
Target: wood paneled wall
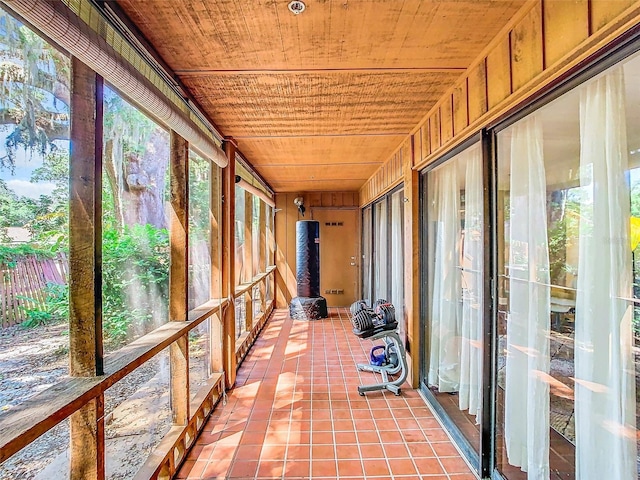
x: 541, y: 43
x: 388, y: 176
x: 544, y: 41
x: 285, y: 226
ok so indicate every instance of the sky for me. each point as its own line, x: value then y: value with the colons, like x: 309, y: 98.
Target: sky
x: 26, y: 163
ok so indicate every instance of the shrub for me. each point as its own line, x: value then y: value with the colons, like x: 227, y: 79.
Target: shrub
x: 54, y: 310
x: 135, y: 281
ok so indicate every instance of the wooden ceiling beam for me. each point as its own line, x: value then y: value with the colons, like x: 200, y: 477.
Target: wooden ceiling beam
x: 320, y: 180
x: 316, y: 165
x: 212, y: 71
x: 329, y: 135
x: 320, y: 186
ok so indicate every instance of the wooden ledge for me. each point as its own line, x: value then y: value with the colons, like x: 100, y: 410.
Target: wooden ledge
x: 40, y: 413
x: 245, y: 287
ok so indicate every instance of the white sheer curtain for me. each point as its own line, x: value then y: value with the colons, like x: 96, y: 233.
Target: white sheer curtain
x: 470, y: 396
x: 367, y: 255
x: 397, y: 260
x: 444, y: 355
x: 380, y: 246
x: 604, y: 364
x: 527, y: 357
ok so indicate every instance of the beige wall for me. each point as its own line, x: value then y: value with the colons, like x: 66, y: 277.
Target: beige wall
x: 286, y: 217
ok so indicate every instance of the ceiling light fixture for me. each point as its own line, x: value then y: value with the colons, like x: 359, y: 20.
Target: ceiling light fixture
x: 297, y: 7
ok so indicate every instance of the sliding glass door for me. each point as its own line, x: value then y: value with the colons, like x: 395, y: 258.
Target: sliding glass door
x: 566, y: 321
x: 383, y: 253
x: 569, y: 209
x: 454, y: 242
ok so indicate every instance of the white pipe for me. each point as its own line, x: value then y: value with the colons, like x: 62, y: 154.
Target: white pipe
x: 255, y: 191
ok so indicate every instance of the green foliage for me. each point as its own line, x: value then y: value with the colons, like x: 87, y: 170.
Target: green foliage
x: 49, y: 223
x: 135, y: 283
x: 199, y: 201
x: 135, y: 280
x: 635, y: 199
x: 47, y: 217
x: 58, y: 300
x: 55, y: 308
x: 15, y: 211
x: 563, y: 234
x: 36, y: 317
x: 126, y: 125
x: 9, y: 254
x: 55, y: 168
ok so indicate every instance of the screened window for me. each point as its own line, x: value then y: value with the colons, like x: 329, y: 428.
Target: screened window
x: 135, y: 236
x: 200, y: 183
x: 255, y: 235
x: 240, y: 236
x: 34, y: 240
x: 216, y: 232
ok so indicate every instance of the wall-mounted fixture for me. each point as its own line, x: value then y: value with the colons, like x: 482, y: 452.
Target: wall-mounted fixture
x: 297, y: 7
x: 299, y: 202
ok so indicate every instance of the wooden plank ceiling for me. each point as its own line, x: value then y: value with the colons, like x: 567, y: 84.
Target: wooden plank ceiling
x: 318, y: 101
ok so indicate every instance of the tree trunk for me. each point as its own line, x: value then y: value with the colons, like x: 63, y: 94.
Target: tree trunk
x: 112, y: 175
x: 144, y: 175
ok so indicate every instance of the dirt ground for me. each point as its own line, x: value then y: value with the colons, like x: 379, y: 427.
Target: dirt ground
x: 31, y: 360
x: 137, y: 412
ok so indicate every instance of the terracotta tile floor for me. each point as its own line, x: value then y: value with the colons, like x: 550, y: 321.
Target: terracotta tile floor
x: 295, y: 412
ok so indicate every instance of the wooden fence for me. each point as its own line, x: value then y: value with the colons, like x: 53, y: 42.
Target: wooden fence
x: 22, y: 285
